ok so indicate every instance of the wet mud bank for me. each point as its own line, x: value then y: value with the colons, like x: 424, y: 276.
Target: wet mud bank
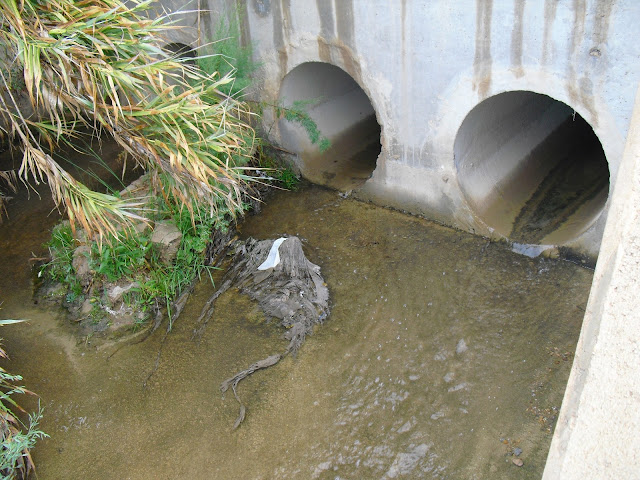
x: 444, y: 356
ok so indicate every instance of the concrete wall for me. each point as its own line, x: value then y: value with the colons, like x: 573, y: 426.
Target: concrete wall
x: 597, y: 433
x: 425, y: 66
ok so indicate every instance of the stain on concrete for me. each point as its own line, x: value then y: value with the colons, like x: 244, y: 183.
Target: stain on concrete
x: 403, y: 32
x: 336, y: 39
x: 327, y: 19
x: 245, y: 28
x: 601, y: 15
x: 286, y: 19
x: 586, y: 88
x: 406, y: 79
x: 261, y: 7
x: 281, y: 32
x: 337, y: 53
x: 601, y: 22
x: 516, y: 38
x: 327, y: 29
x: 403, y: 12
x: 345, y: 22
x: 351, y: 65
x: 482, y: 60
x: 550, y: 8
x: 577, y: 34
x: 324, y: 50
x: 574, y: 84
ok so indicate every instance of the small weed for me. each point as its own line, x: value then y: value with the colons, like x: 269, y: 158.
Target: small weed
x: 16, y: 438
x: 283, y: 175
x: 138, y: 325
x: 288, y: 178
x: 121, y: 259
x: 96, y: 314
x: 61, y: 248
x: 74, y: 294
x: 298, y: 113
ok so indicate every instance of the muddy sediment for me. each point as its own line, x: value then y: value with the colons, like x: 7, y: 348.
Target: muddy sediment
x: 444, y: 356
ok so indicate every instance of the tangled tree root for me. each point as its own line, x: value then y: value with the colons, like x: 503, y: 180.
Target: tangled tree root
x: 289, y: 288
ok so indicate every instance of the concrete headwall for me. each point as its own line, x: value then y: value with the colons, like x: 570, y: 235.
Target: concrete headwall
x: 425, y: 66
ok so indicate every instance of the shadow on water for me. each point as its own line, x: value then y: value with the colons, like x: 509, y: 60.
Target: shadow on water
x: 442, y: 355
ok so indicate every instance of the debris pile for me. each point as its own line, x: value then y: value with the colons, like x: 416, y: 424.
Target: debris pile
x: 286, y: 285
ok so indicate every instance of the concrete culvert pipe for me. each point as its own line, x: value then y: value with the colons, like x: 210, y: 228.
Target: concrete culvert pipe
x: 531, y: 168
x: 343, y: 114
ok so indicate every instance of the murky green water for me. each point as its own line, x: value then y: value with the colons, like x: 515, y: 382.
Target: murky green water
x: 441, y: 355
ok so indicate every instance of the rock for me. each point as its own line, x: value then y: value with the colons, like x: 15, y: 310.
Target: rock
x: 80, y: 264
x: 461, y: 347
x: 57, y: 290
x: 406, y: 462
x: 140, y: 187
x: 553, y: 253
x: 86, y: 308
x: 408, y: 425
x: 141, y: 227
x: 517, y: 462
x: 517, y: 451
x: 80, y: 260
x: 167, y: 238
x: 457, y: 387
x: 116, y: 293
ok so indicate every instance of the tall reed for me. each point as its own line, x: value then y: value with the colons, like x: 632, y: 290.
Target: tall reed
x: 99, y: 64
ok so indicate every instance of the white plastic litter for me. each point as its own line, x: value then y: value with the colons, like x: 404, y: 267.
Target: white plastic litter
x: 531, y: 251
x: 273, y: 258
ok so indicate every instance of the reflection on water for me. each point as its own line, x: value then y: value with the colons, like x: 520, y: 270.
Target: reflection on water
x: 443, y: 353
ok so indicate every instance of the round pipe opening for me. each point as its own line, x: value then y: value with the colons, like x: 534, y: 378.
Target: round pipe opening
x: 531, y: 168
x: 343, y: 114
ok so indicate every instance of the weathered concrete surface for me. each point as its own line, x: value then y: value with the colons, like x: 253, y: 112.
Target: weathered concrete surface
x: 599, y: 424
x: 425, y: 66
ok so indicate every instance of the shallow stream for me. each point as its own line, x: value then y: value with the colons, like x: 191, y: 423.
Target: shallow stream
x: 443, y: 355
